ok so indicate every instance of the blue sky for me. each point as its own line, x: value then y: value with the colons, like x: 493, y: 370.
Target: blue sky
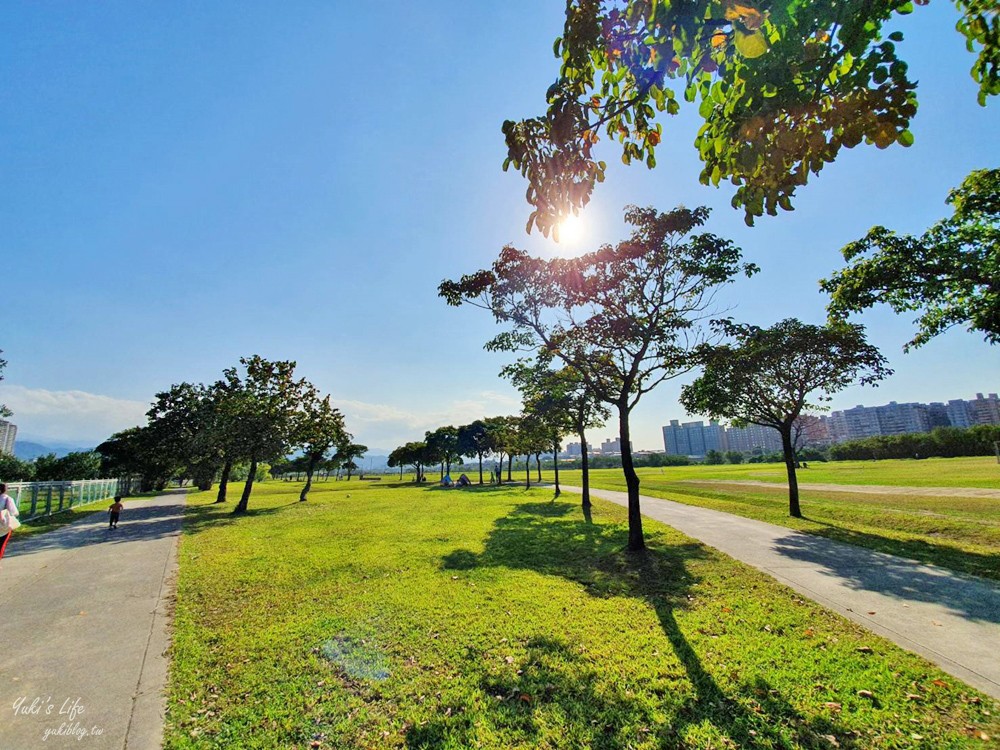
x: 187, y: 183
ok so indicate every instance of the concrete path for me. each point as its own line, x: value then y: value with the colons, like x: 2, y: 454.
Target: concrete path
x: 862, y: 489
x: 950, y: 619
x: 85, y: 612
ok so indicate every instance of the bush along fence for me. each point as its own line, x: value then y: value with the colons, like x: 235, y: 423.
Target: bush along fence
x: 40, y: 499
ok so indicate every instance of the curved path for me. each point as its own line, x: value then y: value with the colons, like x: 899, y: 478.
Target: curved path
x: 85, y: 613
x: 863, y: 489
x: 950, y: 619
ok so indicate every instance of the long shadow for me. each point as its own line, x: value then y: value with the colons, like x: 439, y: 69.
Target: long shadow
x: 139, y: 521
x: 869, y: 570
x: 556, y: 539
x: 973, y: 563
x: 925, y: 551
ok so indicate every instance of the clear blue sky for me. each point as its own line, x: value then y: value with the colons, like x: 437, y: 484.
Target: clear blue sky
x: 185, y: 183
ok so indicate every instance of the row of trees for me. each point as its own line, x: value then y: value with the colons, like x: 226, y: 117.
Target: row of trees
x: 256, y: 413
x: 50, y: 468
x: 946, y: 442
x: 623, y: 319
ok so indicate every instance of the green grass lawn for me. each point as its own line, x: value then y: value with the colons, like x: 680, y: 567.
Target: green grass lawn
x: 979, y: 471
x: 380, y: 616
x: 960, y: 533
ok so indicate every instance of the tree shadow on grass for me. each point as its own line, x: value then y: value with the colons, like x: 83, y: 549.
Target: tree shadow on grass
x: 555, y: 685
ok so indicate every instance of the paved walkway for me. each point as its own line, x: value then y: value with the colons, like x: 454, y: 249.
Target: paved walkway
x: 863, y: 489
x: 950, y: 619
x: 84, y: 617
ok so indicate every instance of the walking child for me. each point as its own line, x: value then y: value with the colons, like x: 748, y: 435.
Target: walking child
x: 114, y: 512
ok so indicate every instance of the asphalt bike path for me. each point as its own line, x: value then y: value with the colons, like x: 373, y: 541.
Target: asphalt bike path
x: 86, y: 610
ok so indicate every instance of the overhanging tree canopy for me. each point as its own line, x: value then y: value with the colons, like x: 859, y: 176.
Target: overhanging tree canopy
x: 781, y: 88
x: 950, y: 274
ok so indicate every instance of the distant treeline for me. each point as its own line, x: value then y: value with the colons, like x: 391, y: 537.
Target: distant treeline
x: 944, y: 442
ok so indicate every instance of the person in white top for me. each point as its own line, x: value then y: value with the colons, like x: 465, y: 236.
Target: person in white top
x: 8, y: 517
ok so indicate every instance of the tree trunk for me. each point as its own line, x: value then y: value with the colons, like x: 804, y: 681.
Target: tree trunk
x: 793, y: 482
x: 527, y: 471
x: 224, y: 481
x: 401, y: 472
x: 241, y: 507
x: 309, y: 479
x: 636, y: 543
x: 442, y: 471
x: 510, y: 460
x: 538, y: 466
x: 480, y: 468
x: 555, y: 463
x: 585, y: 465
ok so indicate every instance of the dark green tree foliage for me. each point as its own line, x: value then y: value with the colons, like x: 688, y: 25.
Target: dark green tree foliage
x: 713, y: 458
x: 136, y: 453
x: 415, y: 454
x: 261, y: 411
x: 624, y: 317
x: 561, y: 399
x: 319, y: 429
x: 347, y: 455
x: 443, y: 442
x: 476, y: 440
x: 945, y: 442
x: 734, y: 457
x: 950, y: 274
x: 13, y: 469
x: 781, y: 88
x: 766, y: 376
x: 182, y: 422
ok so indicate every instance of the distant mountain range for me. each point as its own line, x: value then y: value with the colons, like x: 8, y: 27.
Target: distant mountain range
x: 27, y: 450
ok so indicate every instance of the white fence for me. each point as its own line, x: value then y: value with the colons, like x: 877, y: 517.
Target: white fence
x: 38, y: 499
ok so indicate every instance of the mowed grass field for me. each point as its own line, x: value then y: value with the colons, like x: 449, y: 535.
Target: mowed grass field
x: 389, y: 616
x: 961, y: 533
x: 978, y: 471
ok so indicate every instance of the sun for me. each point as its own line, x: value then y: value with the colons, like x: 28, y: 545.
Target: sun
x: 570, y: 230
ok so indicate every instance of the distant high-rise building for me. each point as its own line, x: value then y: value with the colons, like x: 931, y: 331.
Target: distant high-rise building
x: 897, y: 419
x: 8, y: 433
x: 694, y: 438
x: 612, y: 446
x: 984, y: 410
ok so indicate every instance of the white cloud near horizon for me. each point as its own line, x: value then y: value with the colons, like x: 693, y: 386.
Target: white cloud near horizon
x: 82, y: 417
x: 69, y: 416
x: 385, y: 426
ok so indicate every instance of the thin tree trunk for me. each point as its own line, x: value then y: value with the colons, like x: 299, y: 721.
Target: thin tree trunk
x: 538, y: 466
x: 510, y: 460
x: 555, y: 463
x: 224, y: 481
x: 480, y: 468
x: 309, y: 480
x: 442, y: 471
x: 241, y: 507
x: 585, y: 465
x: 793, y: 483
x: 527, y: 470
x: 636, y: 542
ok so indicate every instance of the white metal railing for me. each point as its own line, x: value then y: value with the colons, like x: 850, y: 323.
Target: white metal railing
x: 38, y: 499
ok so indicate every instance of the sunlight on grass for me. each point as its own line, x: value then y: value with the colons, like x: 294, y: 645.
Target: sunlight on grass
x: 398, y: 616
